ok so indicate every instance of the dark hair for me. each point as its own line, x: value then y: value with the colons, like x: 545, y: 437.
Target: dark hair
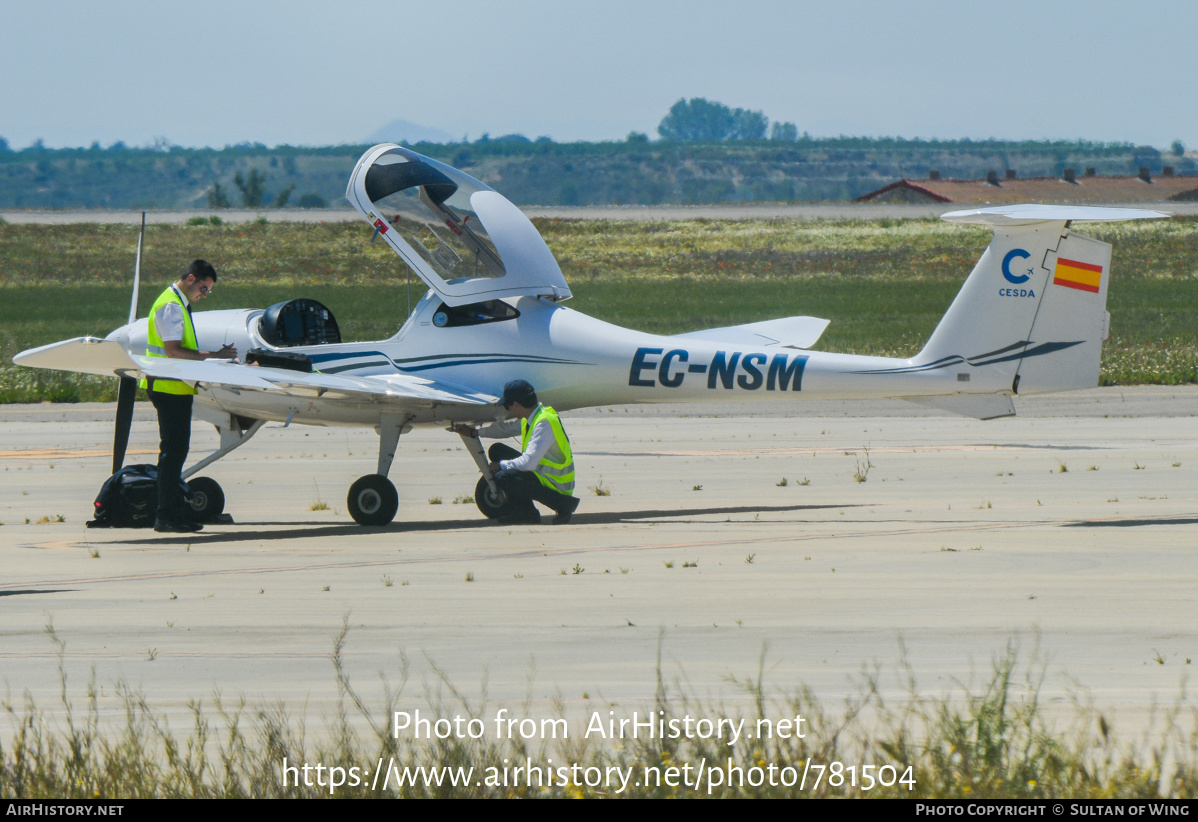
x: 202, y: 269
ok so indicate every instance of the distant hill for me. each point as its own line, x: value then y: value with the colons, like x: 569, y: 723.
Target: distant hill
x: 402, y: 131
x: 543, y: 172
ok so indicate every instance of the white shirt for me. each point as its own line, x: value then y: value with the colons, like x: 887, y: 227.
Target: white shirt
x: 168, y: 319
x: 540, y: 443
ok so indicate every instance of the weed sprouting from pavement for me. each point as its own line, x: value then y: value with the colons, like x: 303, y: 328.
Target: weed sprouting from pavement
x: 318, y: 504
x: 863, y: 467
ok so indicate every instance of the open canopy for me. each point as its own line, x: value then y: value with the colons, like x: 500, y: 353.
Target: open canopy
x: 465, y: 240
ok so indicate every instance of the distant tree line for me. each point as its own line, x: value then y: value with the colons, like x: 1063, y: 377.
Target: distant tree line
x: 707, y: 153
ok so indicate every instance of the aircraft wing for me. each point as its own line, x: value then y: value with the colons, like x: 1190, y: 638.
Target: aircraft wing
x: 789, y: 332
x: 89, y: 355
x: 85, y: 355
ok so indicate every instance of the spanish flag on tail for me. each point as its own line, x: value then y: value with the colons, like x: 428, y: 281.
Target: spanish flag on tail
x: 1074, y: 274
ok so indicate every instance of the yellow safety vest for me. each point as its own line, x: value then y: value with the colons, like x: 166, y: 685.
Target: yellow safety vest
x: 155, y: 348
x: 556, y: 475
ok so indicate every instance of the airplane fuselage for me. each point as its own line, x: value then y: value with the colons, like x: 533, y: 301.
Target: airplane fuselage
x: 575, y: 361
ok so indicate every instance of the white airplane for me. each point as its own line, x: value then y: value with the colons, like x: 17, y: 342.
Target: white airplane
x: 1030, y: 318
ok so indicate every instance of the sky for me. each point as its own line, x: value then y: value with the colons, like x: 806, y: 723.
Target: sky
x: 302, y: 72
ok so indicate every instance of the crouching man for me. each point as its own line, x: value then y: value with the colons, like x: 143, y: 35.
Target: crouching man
x: 542, y: 471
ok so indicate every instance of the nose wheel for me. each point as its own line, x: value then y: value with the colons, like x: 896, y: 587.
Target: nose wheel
x: 373, y: 500
x: 204, y: 501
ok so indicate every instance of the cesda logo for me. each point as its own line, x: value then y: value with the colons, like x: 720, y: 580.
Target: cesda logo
x: 1015, y: 279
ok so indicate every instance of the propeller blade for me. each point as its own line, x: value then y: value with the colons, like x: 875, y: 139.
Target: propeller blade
x: 126, y: 394
x: 137, y: 270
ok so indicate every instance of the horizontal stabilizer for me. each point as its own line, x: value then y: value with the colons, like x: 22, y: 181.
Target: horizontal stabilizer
x: 1029, y: 213
x: 789, y: 332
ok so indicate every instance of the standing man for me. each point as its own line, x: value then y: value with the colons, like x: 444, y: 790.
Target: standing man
x: 543, y: 469
x: 172, y: 334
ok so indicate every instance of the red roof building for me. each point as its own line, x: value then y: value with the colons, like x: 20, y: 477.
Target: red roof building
x: 1070, y: 188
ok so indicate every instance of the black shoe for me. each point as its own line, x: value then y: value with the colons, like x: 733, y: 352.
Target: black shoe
x: 176, y: 526
x: 521, y: 518
x: 566, y: 511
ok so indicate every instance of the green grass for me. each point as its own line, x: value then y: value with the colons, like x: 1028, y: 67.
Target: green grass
x: 884, y: 284
x: 989, y: 742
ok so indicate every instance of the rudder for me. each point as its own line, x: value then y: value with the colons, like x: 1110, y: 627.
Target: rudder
x: 1072, y: 321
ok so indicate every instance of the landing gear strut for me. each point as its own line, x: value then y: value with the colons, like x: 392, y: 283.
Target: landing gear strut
x: 487, y: 495
x: 373, y: 499
x: 204, y: 500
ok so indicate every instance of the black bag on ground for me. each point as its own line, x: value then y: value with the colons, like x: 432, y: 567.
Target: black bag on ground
x: 128, y: 499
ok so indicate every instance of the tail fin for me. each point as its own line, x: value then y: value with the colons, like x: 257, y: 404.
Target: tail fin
x: 1031, y: 317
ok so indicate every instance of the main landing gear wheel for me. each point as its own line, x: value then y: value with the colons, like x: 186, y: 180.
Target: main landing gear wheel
x: 204, y: 501
x: 373, y: 500
x: 492, y: 505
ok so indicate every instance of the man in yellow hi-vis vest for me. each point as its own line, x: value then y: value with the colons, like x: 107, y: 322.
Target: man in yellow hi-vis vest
x: 172, y: 334
x: 543, y: 470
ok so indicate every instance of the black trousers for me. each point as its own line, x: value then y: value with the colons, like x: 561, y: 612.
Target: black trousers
x: 174, y: 441
x: 522, y: 487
